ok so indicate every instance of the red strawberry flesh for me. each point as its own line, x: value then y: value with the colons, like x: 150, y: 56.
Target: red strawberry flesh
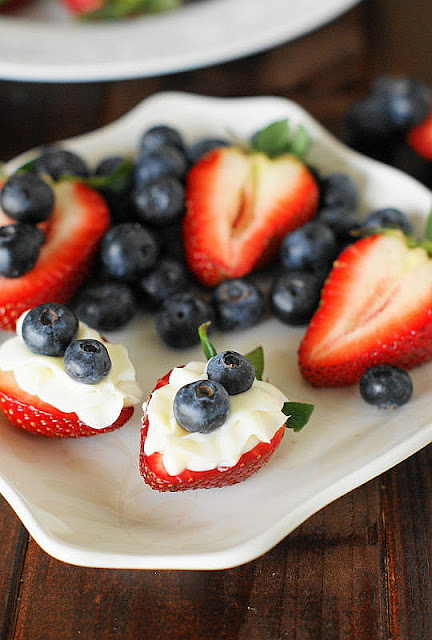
x: 239, y: 207
x: 420, y: 138
x: 73, y: 233
x: 376, y: 308
x: 32, y: 414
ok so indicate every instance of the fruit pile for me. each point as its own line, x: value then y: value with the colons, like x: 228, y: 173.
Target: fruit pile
x: 105, y: 9
x: 394, y: 123
x: 192, y: 230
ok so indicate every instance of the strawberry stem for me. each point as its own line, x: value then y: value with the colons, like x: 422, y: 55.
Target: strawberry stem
x: 208, y: 347
x: 428, y: 228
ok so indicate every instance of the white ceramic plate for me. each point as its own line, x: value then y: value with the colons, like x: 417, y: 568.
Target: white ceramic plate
x: 84, y: 501
x: 42, y: 42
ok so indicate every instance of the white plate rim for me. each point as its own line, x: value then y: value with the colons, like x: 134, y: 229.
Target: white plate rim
x: 240, y: 553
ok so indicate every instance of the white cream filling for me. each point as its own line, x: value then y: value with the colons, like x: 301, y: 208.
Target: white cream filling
x: 255, y: 417
x: 97, y: 405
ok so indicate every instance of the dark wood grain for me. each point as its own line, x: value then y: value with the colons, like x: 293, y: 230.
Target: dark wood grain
x: 13, y: 549
x: 357, y: 570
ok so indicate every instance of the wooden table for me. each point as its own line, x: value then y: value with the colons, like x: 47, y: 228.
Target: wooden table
x: 357, y: 570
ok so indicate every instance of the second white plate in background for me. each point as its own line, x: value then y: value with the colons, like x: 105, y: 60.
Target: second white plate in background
x: 42, y: 42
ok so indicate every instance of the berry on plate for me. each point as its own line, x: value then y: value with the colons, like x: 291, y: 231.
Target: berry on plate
x: 20, y: 245
x: 180, y: 317
x: 238, y: 304
x: 72, y: 235
x: 376, y: 308
x: 87, y: 387
x: 105, y: 306
x: 241, y: 202
x: 386, y: 387
x: 201, y: 432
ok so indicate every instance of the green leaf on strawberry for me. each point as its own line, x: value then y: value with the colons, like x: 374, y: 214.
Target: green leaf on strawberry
x: 256, y: 356
x: 117, y: 9
x: 277, y: 139
x: 117, y: 181
x: 298, y: 414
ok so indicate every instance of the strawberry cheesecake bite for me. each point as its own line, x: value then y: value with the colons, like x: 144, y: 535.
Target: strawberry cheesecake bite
x: 213, y: 424
x: 58, y: 377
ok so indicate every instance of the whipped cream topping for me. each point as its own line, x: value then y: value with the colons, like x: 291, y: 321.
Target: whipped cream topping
x: 255, y: 417
x: 97, y: 405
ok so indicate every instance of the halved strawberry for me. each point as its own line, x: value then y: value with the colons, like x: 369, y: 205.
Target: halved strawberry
x: 420, y: 138
x: 73, y: 232
x: 32, y: 414
x: 240, y: 205
x: 376, y: 308
x: 152, y: 466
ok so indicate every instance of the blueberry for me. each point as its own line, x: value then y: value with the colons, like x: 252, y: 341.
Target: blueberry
x: 339, y: 191
x: 180, y: 317
x: 202, y: 406
x: 311, y: 247
x: 232, y: 370
x: 408, y: 101
x: 200, y: 148
x: 105, y: 306
x: 166, y: 161
x: 386, y: 387
x: 388, y: 217
x: 127, y: 251
x: 117, y: 199
x: 170, y: 239
x: 57, y: 163
x: 238, y: 304
x: 166, y: 279
x: 108, y: 165
x: 295, y: 296
x: 159, y: 202
x: 19, y: 248
x: 368, y: 124
x: 49, y: 328
x: 87, y: 361
x: 340, y: 221
x: 161, y: 136
x: 25, y: 197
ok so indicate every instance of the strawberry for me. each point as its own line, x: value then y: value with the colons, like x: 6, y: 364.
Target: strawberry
x: 241, y: 202
x: 376, y: 308
x: 420, y: 138
x: 152, y: 466
x: 117, y: 9
x: 73, y: 232
x: 32, y: 414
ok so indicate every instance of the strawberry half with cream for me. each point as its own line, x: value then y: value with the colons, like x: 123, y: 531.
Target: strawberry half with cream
x: 376, y: 308
x: 60, y: 378
x: 213, y: 424
x: 72, y: 234
x: 242, y: 201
